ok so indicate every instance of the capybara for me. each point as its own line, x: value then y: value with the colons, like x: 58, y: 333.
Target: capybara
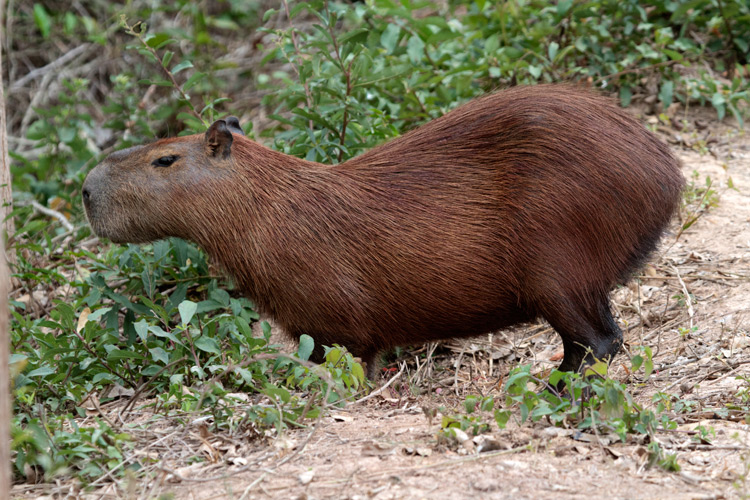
x: 533, y: 201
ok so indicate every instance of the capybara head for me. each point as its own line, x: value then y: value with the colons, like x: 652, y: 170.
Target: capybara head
x: 140, y: 194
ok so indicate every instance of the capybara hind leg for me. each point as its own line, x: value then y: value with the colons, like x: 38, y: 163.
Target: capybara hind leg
x: 370, y: 362
x: 587, y: 335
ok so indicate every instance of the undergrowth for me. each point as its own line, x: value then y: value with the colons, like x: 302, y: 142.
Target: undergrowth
x: 590, y: 402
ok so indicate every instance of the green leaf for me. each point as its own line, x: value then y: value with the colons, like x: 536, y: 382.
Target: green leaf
x: 193, y: 80
x: 158, y: 40
x: 159, y: 355
x: 535, y: 71
x: 182, y: 65
x: 334, y: 355
x: 67, y: 134
x: 159, y: 332
x: 70, y: 22
x: 386, y: 74
x: 141, y: 329
x: 266, y: 328
x: 165, y: 60
x: 277, y: 392
x: 267, y: 14
x: 243, y: 326
x: 673, y: 55
x: 718, y: 99
x: 488, y: 404
x: 99, y: 377
x: 415, y: 49
x: 552, y: 50
x: 492, y: 44
x: 555, y: 377
x: 42, y: 371
x: 306, y: 346
x: 94, y: 316
x: 599, y: 368
x: 356, y: 35
x: 358, y: 372
x: 207, y: 344
x: 626, y: 95
x: 563, y: 6
x: 42, y: 19
x: 187, y: 309
x: 116, y: 354
x: 636, y: 362
x: 502, y: 417
x: 389, y: 38
x: 649, y: 366
x: 470, y: 404
x: 665, y: 93
x: 221, y: 296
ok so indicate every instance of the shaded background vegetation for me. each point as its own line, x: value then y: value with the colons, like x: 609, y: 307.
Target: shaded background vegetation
x: 320, y: 80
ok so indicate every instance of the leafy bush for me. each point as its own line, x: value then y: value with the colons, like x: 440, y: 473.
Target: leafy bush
x: 591, y: 403
x: 366, y: 73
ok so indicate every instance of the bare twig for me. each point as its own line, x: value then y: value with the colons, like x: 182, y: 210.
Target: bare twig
x: 39, y: 72
x: 252, y: 485
x: 308, y: 95
x: 380, y: 390
x: 688, y: 300
x: 143, y: 386
x: 346, y: 70
x: 639, y: 70
x: 139, y: 35
x: 52, y: 213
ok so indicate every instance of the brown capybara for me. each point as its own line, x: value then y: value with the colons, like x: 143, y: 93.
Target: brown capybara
x: 534, y: 201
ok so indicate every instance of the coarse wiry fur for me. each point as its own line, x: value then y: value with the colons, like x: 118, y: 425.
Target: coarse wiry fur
x: 534, y: 201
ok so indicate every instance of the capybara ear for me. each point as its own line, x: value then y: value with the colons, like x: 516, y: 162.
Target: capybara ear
x: 233, y: 123
x: 218, y: 139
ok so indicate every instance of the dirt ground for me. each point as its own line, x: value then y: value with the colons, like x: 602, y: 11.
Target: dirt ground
x: 386, y: 447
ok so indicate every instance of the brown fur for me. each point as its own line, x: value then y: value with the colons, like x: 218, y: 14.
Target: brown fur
x: 534, y: 201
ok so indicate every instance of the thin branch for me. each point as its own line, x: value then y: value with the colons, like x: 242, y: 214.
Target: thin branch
x: 308, y: 95
x: 688, y: 300
x: 38, y: 72
x: 139, y: 35
x: 380, y: 390
x: 637, y: 70
x: 348, y: 74
x: 52, y: 213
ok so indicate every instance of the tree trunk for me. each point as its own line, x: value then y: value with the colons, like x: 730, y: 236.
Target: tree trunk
x: 5, y: 408
x: 6, y: 193
x: 7, y: 206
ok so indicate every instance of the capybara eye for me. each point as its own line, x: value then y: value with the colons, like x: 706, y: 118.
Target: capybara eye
x: 164, y: 161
